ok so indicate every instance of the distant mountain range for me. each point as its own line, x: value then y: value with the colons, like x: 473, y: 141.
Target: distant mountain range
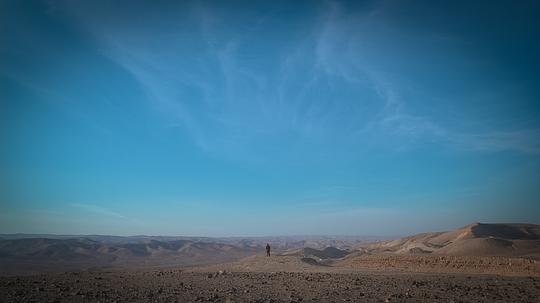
x: 25, y: 254
x: 277, y: 242
x: 31, y: 255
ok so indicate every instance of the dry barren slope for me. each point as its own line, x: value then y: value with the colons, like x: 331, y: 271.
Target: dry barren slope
x: 382, y: 263
x: 514, y: 240
x: 441, y: 264
x: 320, y: 254
x: 261, y: 263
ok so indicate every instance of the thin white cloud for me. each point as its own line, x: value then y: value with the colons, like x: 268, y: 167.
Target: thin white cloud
x: 339, y: 56
x: 240, y: 103
x: 98, y: 210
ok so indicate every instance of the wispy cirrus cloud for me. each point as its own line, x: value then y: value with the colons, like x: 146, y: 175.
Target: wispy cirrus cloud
x: 98, y: 210
x: 210, y: 81
x: 347, y: 56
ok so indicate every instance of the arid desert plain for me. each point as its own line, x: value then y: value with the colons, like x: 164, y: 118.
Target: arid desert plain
x: 475, y: 263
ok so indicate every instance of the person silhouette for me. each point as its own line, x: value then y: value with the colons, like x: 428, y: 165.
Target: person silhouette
x: 267, y: 250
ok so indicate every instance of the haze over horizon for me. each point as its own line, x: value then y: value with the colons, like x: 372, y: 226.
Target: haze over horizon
x: 203, y: 118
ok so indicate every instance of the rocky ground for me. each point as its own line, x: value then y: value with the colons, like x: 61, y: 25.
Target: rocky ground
x: 502, y: 266
x: 176, y: 285
x: 443, y: 264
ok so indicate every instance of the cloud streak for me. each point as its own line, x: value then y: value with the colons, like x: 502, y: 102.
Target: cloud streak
x: 226, y: 97
x: 340, y: 55
x: 98, y: 210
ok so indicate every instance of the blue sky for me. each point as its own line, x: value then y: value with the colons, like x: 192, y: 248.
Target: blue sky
x: 268, y: 117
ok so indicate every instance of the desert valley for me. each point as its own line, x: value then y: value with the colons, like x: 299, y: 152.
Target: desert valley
x: 475, y: 263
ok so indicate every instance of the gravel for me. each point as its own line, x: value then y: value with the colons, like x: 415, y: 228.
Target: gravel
x: 175, y: 285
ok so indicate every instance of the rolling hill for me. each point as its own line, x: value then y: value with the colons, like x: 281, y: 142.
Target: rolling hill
x: 468, y: 247
x: 477, y: 239
x: 32, y: 255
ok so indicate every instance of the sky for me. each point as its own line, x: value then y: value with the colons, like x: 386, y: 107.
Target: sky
x: 251, y: 118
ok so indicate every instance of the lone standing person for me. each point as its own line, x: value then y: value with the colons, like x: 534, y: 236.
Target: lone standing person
x: 267, y: 250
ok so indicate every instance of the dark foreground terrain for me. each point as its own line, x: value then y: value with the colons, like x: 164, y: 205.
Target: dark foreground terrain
x: 175, y: 285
